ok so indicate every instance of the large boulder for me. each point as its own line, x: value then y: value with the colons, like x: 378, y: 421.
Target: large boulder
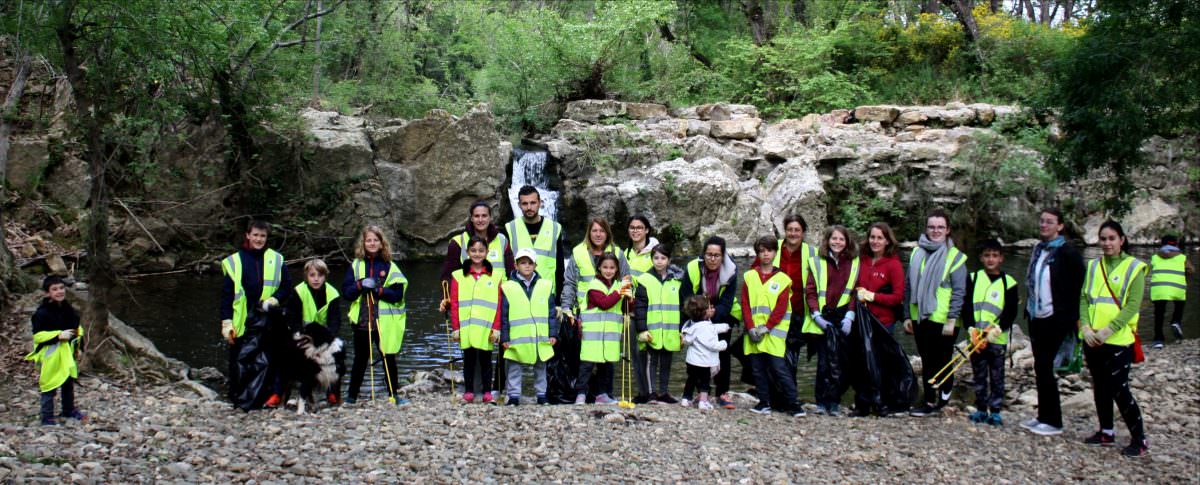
x: 338, y: 146
x: 68, y: 183
x: 738, y: 129
x: 645, y: 111
x: 27, y: 162
x: 594, y: 110
x: 882, y: 114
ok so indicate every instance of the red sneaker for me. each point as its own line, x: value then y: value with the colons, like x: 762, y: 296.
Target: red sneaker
x: 487, y: 398
x: 273, y: 401
x: 333, y: 399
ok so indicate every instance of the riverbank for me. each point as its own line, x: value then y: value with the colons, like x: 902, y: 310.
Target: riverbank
x: 166, y: 433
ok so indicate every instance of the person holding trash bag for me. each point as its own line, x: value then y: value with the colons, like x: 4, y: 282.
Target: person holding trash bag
x: 375, y: 288
x: 933, y: 295
x: 254, y: 287
x: 1109, y: 308
x: 881, y: 277
x: 766, y: 315
x: 989, y: 316
x: 714, y: 276
x: 829, y: 293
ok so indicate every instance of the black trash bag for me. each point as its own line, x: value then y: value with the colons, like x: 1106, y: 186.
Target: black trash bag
x: 831, y: 381
x: 883, y: 371
x: 863, y: 370
x: 249, y: 380
x: 563, y: 369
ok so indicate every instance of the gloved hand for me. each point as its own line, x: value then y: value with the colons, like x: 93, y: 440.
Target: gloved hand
x: 495, y: 335
x: 66, y: 335
x: 368, y: 283
x: 756, y: 334
x: 948, y: 328
x: 846, y: 326
x: 627, y: 292
x: 454, y: 336
x: 565, y: 313
x: 908, y: 327
x: 1102, y: 335
x: 865, y: 295
x: 993, y: 333
x: 645, y: 337
x: 821, y: 321
x: 227, y: 330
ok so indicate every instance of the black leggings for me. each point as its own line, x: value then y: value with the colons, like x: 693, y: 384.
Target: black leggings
x: 362, y: 353
x: 1109, y: 365
x: 477, y: 359
x: 697, y: 380
x: 1160, y: 310
x: 935, y: 351
x: 658, y: 369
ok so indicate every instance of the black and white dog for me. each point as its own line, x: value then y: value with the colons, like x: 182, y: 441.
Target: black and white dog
x: 310, y: 362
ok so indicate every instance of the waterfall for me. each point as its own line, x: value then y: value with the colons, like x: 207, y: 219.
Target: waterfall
x: 529, y: 168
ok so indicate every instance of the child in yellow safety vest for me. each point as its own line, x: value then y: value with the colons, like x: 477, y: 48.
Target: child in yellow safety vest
x: 475, y: 318
x: 56, y: 333
x: 1169, y: 269
x: 601, y: 326
x: 656, y: 313
x: 528, y: 329
x: 988, y: 318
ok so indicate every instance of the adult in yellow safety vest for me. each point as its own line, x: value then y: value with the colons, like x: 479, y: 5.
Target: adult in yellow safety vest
x: 581, y: 268
x: 375, y: 288
x: 1108, y: 319
x: 475, y: 318
x: 1169, y: 269
x: 989, y: 315
x: 933, y: 294
x: 795, y: 258
x: 714, y: 275
x: 766, y: 303
x: 828, y: 293
x: 537, y: 232
x: 528, y: 331
x: 656, y: 319
x: 317, y: 303
x: 56, y: 333
x: 641, y: 243
x: 254, y: 287
x: 499, y: 252
x: 601, y: 326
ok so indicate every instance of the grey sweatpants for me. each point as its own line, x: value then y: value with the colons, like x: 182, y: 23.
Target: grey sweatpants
x: 516, y: 371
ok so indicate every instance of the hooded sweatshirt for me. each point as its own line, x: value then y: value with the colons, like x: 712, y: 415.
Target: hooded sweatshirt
x: 704, y: 343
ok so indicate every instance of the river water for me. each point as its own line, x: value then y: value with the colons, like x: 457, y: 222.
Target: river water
x: 179, y: 314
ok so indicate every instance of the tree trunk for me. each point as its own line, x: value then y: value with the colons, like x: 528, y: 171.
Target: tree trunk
x: 800, y: 11
x: 9, y: 274
x: 962, y: 11
x: 1068, y: 10
x: 316, y: 99
x: 1045, y: 11
x: 1029, y: 10
x: 994, y: 5
x: 759, y: 26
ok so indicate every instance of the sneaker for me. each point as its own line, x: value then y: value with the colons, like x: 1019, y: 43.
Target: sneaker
x: 924, y: 410
x: 604, y: 399
x: 1158, y: 345
x: 581, y: 399
x: 761, y: 408
x: 400, y: 401
x: 513, y: 401
x: 542, y: 401
x: 1136, y: 449
x: 799, y: 412
x: 705, y: 406
x: 725, y: 402
x: 487, y: 398
x: 978, y: 417
x: 468, y: 397
x: 351, y: 400
x: 994, y: 419
x: 1177, y: 330
x: 1101, y: 439
x: 1045, y: 430
x: 1030, y: 424
x: 332, y: 399
x: 685, y: 402
x: 273, y: 401
x: 49, y: 422
x: 641, y: 399
x: 76, y: 414
x: 832, y: 411
x: 667, y: 399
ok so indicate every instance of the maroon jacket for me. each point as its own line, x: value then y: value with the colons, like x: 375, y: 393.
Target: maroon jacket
x: 873, y: 276
x: 453, y: 253
x: 838, y: 275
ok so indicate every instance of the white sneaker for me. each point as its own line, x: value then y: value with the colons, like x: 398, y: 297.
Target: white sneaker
x: 685, y: 402
x: 1045, y: 430
x: 705, y: 406
x: 1030, y: 424
x: 580, y: 399
x: 604, y: 399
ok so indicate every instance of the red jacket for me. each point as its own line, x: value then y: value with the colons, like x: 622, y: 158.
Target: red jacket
x: 598, y: 299
x: 792, y: 264
x: 777, y: 311
x: 837, y: 283
x: 487, y: 271
x: 873, y: 276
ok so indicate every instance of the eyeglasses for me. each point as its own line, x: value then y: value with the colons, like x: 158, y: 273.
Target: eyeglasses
x: 712, y: 255
x: 637, y: 228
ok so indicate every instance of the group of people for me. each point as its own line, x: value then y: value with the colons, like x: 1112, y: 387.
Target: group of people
x: 521, y: 289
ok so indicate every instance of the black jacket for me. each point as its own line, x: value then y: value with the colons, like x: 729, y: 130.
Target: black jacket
x: 1066, y: 281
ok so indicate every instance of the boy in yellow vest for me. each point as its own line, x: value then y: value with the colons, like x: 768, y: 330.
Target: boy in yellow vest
x: 1169, y: 269
x: 320, y: 303
x: 56, y: 333
x: 528, y: 331
x: 989, y: 316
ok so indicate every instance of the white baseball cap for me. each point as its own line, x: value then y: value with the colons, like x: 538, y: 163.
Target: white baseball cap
x: 525, y: 253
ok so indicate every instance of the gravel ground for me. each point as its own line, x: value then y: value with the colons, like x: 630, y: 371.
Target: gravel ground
x: 167, y: 434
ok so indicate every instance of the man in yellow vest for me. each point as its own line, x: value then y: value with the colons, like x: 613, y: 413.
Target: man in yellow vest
x: 255, y: 285
x: 528, y: 333
x: 989, y: 315
x: 544, y: 236
x: 1169, y: 269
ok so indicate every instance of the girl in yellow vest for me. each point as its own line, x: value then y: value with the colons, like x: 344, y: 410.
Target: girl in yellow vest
x: 56, y: 332
x: 1109, y: 306
x: 601, y: 327
x: 318, y: 302
x: 828, y: 294
x: 1169, y: 269
x: 656, y: 318
x: 639, y: 256
x: 475, y: 318
x: 375, y: 287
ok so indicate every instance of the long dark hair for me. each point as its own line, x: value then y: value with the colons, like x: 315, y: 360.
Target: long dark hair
x: 1116, y: 227
x: 606, y: 257
x: 890, y: 249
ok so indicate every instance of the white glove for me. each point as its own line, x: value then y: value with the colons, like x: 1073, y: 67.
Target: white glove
x: 993, y: 334
x: 227, y: 330
x: 270, y: 303
x: 495, y: 335
x: 865, y: 295
x: 756, y: 333
x: 846, y: 326
x: 1102, y: 335
x: 948, y: 328
x: 66, y: 335
x: 368, y: 283
x: 454, y: 335
x: 566, y: 312
x: 821, y: 321
x: 645, y: 337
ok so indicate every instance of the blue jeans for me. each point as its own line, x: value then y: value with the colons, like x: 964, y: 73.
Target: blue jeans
x: 68, y: 399
x: 773, y: 373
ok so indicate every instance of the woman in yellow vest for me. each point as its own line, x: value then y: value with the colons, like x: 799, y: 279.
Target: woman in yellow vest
x: 499, y: 252
x: 475, y: 318
x: 601, y: 327
x: 375, y: 288
x: 1109, y: 307
x: 1169, y: 269
x: 656, y: 318
x: 56, y: 332
x: 640, y: 261
x: 828, y: 294
x: 766, y: 302
x: 317, y: 302
x: 581, y: 268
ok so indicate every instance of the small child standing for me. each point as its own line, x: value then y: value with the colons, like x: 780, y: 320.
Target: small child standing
x: 601, y: 325
x: 704, y: 346
x: 56, y: 332
x: 474, y: 316
x: 994, y: 303
x: 528, y: 329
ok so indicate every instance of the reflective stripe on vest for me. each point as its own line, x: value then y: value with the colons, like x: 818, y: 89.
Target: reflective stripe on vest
x: 955, y: 260
x: 231, y: 266
x: 528, y: 321
x: 392, y: 316
x: 545, y: 247
x: 582, y: 256
x: 478, y: 300
x: 1102, y: 308
x: 601, y: 329
x: 693, y: 271
x: 1168, y: 278
x: 309, y: 306
x: 762, y: 297
x: 495, y: 251
x: 822, y: 282
x: 638, y: 264
x: 988, y: 300
x: 662, y: 311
